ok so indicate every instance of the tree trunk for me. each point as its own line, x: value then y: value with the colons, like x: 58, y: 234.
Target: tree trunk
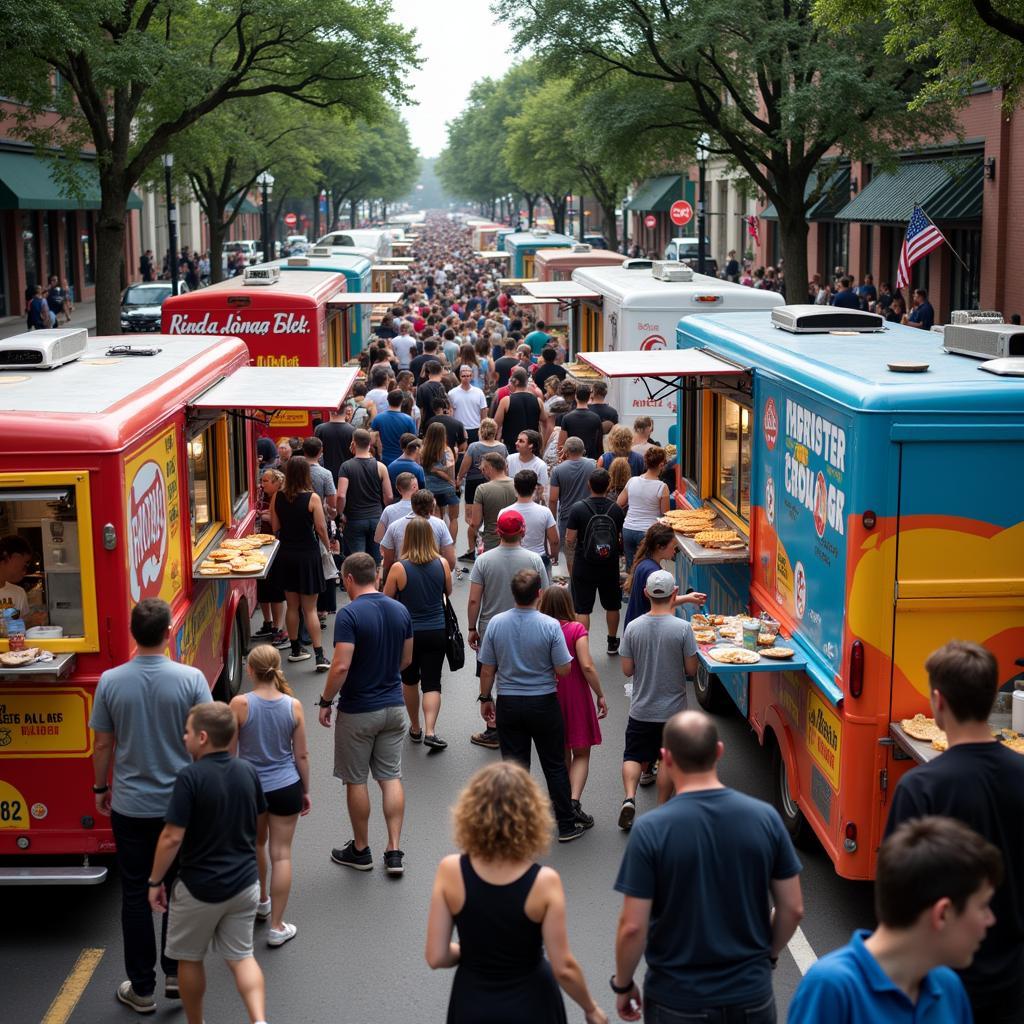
x: 611, y: 229
x: 793, y: 239
x: 352, y: 213
x: 109, y: 256
x: 218, y: 229
x: 558, y: 206
x: 531, y: 202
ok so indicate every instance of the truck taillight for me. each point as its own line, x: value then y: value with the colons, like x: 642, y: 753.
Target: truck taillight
x: 850, y: 842
x: 856, y: 668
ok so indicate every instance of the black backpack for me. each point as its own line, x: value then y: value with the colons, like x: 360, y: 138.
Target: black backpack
x: 601, y: 537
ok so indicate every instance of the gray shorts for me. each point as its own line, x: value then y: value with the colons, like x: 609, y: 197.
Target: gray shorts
x: 369, y: 743
x: 192, y: 925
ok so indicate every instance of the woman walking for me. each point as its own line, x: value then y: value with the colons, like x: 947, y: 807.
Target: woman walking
x: 582, y: 730
x: 272, y: 738
x: 420, y: 581
x: 507, y: 908
x: 269, y: 593
x: 438, y: 461
x: 473, y: 475
x: 644, y: 498
x: 297, y: 517
x: 620, y: 445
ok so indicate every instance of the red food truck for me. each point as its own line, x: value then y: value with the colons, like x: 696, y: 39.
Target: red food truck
x: 125, y: 462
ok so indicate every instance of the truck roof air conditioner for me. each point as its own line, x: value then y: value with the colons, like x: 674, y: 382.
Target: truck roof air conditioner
x: 541, y: 232
x: 637, y: 264
x: 298, y: 261
x: 809, y: 319
x: 670, y: 270
x: 984, y: 340
x: 320, y: 250
x: 262, y: 273
x: 975, y: 316
x: 582, y: 247
x: 42, y: 350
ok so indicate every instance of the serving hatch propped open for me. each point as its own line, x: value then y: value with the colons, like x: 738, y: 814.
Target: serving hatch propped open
x: 345, y: 299
x: 566, y: 291
x: 279, y: 387
x: 663, y: 371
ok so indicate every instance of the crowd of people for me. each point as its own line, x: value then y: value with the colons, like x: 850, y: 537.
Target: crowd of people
x: 460, y: 433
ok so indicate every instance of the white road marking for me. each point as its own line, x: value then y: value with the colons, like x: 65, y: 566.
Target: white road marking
x: 801, y: 951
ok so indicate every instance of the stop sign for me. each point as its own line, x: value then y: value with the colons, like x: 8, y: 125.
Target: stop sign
x: 681, y: 212
x: 291, y: 220
x: 650, y: 221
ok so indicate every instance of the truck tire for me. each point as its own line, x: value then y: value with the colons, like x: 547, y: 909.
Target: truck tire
x: 792, y: 817
x: 230, y: 681
x: 710, y: 694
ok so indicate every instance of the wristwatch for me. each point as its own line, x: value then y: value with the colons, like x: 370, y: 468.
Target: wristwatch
x: 321, y: 703
x: 100, y: 789
x: 485, y: 698
x: 621, y: 991
x: 156, y: 885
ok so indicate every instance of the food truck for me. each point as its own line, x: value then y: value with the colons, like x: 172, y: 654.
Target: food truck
x: 870, y: 480
x: 558, y: 265
x: 484, y: 235
x: 634, y: 307
x: 523, y: 247
x: 127, y: 462
x: 285, y: 320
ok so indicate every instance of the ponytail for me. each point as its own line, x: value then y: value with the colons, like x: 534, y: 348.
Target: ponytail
x: 657, y: 536
x: 265, y: 663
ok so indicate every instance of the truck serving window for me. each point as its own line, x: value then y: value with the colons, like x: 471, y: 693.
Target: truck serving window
x: 732, y: 456
x: 203, y: 501
x: 238, y: 469
x: 591, y: 340
x: 47, y: 576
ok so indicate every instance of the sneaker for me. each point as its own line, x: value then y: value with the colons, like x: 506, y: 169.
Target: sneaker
x: 322, y: 664
x: 140, y: 1004
x: 350, y: 857
x: 262, y: 910
x: 280, y: 639
x: 582, y: 818
x: 574, y: 831
x: 613, y: 645
x: 626, y: 814
x: 467, y: 556
x: 266, y: 630
x: 300, y: 655
x: 279, y: 936
x: 393, y: 862
x: 650, y: 776
x: 415, y: 736
x: 171, y: 987
x: 435, y: 742
x: 488, y: 738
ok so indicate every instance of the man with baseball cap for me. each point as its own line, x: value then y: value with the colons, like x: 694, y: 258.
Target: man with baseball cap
x: 490, y: 589
x: 653, y: 648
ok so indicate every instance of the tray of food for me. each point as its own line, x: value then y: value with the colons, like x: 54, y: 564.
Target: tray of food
x: 581, y: 370
x: 25, y: 657
x: 732, y: 655
x: 239, y: 557
x: 926, y: 739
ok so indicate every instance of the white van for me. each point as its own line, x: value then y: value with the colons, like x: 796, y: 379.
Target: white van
x: 248, y: 247
x: 685, y: 251
x: 636, y: 308
x: 376, y: 239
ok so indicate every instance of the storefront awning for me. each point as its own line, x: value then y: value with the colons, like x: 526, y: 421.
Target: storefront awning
x: 949, y: 189
x: 656, y: 195
x: 246, y: 204
x: 832, y: 197
x: 27, y: 183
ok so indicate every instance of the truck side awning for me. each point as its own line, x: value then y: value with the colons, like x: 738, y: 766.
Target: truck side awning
x: 389, y: 266
x: 492, y: 254
x: 564, y: 290
x: 279, y: 387
x: 529, y: 300
x: 404, y: 260
x: 344, y: 299
x: 663, y: 370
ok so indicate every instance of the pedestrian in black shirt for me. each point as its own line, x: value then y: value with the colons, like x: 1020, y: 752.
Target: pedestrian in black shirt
x: 505, y: 364
x: 583, y: 423
x: 980, y: 782
x: 432, y: 388
x: 599, y: 404
x: 211, y: 828
x: 548, y: 368
x: 336, y: 435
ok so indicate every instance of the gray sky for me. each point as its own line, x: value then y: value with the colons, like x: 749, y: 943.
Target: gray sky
x: 460, y: 43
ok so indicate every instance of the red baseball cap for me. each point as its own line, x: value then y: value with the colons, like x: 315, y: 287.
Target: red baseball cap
x: 511, y: 523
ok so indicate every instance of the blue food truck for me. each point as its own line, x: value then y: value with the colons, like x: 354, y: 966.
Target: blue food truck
x: 522, y: 246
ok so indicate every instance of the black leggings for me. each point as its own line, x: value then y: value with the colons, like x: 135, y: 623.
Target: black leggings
x: 427, y: 660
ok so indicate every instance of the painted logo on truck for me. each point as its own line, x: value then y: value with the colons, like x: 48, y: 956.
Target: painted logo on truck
x: 771, y: 424
x: 652, y: 342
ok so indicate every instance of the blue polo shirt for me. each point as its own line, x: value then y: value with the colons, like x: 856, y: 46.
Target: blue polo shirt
x: 405, y: 466
x: 849, y: 987
x: 923, y: 315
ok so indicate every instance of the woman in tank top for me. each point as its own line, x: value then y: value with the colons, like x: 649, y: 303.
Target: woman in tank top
x: 645, y: 499
x: 507, y: 908
x: 420, y: 581
x: 272, y: 738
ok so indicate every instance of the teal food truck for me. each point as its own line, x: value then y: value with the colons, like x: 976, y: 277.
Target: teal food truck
x: 522, y: 246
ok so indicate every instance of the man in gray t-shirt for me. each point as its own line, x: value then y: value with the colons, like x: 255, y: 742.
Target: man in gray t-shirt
x: 569, y: 483
x: 138, y: 719
x: 658, y: 651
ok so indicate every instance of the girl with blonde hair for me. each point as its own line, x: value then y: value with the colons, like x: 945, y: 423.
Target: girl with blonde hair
x: 272, y: 738
x: 508, y: 909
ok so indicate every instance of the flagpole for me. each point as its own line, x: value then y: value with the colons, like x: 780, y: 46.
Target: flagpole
x: 945, y: 239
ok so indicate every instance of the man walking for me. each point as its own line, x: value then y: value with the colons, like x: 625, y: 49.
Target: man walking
x: 138, y: 718
x: 569, y: 485
x: 422, y: 504
x: 584, y: 423
x: 599, y: 404
x: 495, y: 493
x: 364, y: 488
x: 521, y: 410
x: 336, y: 437
x: 468, y: 403
x: 525, y: 652
x: 541, y: 534
x: 432, y: 388
x: 696, y: 880
x: 655, y: 647
x: 372, y: 644
x: 980, y: 782
x: 389, y: 427
x: 594, y: 530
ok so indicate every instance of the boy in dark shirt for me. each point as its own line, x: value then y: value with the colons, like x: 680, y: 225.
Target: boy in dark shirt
x: 980, y: 782
x: 211, y: 820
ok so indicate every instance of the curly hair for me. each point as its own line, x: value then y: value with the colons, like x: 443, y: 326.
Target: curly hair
x: 502, y: 815
x: 620, y: 440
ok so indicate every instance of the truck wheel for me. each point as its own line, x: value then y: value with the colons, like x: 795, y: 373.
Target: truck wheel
x: 792, y: 817
x: 230, y: 681
x: 710, y: 694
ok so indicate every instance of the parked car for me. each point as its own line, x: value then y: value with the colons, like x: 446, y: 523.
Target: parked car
x: 248, y: 247
x: 685, y: 249
x: 141, y: 302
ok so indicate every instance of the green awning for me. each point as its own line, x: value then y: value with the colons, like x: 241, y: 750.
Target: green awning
x: 656, y: 195
x: 833, y: 196
x: 27, y: 183
x: 248, y: 206
x: 949, y: 189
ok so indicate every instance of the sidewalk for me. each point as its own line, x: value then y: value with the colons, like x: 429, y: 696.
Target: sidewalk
x: 83, y: 316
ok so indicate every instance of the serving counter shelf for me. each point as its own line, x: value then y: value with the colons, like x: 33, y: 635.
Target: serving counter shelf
x: 59, y: 668
x: 922, y: 751
x: 797, y: 663
x: 268, y: 551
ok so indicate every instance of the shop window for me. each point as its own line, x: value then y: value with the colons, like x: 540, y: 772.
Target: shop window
x: 732, y: 455
x: 52, y: 583
x: 70, y: 230
x: 204, y: 508
x: 964, y: 283
x: 30, y: 252
x: 238, y: 466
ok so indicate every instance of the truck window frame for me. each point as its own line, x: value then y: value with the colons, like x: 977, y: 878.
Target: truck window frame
x: 238, y: 465
x: 213, y: 432
x: 591, y: 328
x: 718, y: 397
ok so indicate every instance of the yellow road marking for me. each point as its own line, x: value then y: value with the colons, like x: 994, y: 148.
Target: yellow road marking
x: 74, y: 985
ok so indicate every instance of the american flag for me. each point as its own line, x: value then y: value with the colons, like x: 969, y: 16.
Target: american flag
x: 752, y: 229
x: 922, y: 238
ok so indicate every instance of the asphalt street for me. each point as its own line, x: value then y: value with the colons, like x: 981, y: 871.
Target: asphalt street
x: 358, y: 955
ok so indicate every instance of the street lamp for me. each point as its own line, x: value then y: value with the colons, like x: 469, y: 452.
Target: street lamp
x: 172, y: 225
x: 703, y: 143
x: 265, y: 180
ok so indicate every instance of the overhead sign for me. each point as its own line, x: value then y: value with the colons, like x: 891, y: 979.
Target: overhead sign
x: 291, y: 220
x: 650, y: 221
x: 681, y: 212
